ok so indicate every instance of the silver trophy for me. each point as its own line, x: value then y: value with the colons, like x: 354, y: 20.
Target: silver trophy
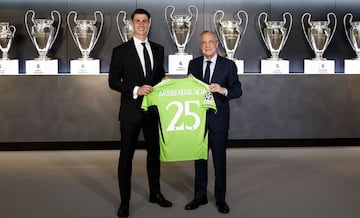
x: 124, y: 26
x: 275, y: 33
x: 230, y: 32
x: 181, y: 27
x: 42, y: 32
x: 353, y: 33
x: 7, y: 33
x: 85, y: 32
x: 319, y: 33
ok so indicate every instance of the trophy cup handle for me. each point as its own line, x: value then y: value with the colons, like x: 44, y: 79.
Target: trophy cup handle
x: 27, y: 24
x: 290, y: 24
x: 263, y: 14
x: 346, y: 27
x: 58, y: 26
x: 329, y: 15
x: 118, y: 23
x: 245, y: 15
x: 171, y: 17
x: 303, y: 26
x: 191, y: 16
x: 101, y: 26
x: 216, y: 23
x: 13, y: 30
x: 69, y: 25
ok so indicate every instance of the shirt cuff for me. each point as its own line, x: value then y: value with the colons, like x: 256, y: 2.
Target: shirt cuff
x: 226, y: 92
x: 136, y: 88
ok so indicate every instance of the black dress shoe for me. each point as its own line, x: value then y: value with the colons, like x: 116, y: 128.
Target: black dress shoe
x: 195, y: 203
x: 160, y: 200
x: 123, y: 211
x: 223, y: 207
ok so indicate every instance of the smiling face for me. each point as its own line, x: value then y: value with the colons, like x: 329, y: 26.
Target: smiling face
x: 141, y: 25
x: 208, y: 44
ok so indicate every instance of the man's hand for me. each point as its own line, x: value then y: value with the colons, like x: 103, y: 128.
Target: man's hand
x: 214, y: 87
x: 144, y: 90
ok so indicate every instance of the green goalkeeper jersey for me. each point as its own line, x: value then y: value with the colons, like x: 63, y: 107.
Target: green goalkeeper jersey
x: 182, y: 106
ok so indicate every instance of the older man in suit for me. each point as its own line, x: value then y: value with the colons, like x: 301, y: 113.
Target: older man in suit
x: 221, y: 75
x: 136, y: 66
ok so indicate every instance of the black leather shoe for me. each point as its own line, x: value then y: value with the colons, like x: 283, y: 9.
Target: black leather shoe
x: 195, y: 203
x: 123, y: 211
x: 160, y: 200
x: 223, y: 207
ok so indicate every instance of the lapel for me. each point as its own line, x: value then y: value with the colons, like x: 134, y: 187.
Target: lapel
x: 216, y: 74
x: 154, y: 59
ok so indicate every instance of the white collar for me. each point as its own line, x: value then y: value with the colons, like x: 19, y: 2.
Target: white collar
x: 138, y: 41
x: 213, y: 59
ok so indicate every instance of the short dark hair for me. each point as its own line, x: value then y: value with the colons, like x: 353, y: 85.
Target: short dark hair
x: 140, y: 11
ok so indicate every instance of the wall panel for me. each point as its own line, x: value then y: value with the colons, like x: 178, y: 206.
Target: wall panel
x: 83, y: 108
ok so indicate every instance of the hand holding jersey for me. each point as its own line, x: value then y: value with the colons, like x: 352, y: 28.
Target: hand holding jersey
x: 182, y: 106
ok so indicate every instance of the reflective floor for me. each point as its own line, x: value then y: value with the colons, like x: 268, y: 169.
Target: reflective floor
x: 262, y: 183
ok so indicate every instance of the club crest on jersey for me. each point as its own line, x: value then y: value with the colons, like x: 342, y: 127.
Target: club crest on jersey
x: 208, y: 97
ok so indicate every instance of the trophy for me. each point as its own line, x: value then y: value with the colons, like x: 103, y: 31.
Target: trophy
x: 181, y: 27
x: 125, y: 28
x: 230, y: 32
x: 275, y: 33
x: 42, y: 32
x: 319, y: 33
x: 85, y: 33
x: 353, y: 36
x: 7, y: 33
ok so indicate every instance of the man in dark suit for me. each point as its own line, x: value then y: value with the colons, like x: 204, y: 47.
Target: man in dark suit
x: 136, y: 66
x: 221, y: 75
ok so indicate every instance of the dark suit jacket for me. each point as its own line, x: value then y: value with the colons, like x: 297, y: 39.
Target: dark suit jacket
x: 126, y: 72
x: 225, y: 74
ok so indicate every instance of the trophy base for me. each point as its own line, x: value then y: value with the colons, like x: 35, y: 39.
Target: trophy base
x: 240, y: 66
x: 319, y: 66
x: 41, y: 67
x: 9, y: 67
x: 85, y: 67
x: 178, y: 64
x: 274, y: 66
x: 352, y: 66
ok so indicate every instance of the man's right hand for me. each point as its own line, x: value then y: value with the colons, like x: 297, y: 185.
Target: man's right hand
x: 144, y: 90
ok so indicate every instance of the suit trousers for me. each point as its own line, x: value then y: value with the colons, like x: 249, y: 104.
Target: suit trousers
x: 129, y: 137
x: 217, y: 143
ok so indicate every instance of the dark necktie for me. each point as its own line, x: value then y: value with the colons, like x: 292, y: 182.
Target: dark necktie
x: 207, y: 72
x: 147, y: 61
